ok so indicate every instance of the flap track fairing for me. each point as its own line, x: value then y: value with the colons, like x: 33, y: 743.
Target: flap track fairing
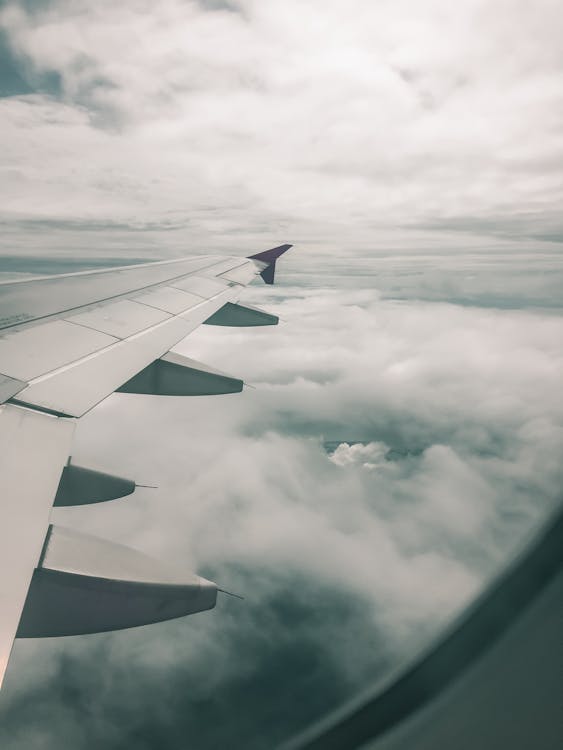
x: 88, y: 585
x: 82, y: 486
x: 235, y: 315
x: 176, y: 375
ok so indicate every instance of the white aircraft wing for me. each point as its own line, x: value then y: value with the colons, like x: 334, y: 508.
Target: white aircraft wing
x: 66, y: 343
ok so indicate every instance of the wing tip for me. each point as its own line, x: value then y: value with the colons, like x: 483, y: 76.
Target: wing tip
x: 270, y: 257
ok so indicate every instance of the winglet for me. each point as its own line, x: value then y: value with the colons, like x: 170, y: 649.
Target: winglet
x: 269, y: 257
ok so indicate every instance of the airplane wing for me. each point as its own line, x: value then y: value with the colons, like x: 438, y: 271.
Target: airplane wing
x: 66, y: 343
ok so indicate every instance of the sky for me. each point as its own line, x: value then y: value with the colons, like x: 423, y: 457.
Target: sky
x: 217, y: 124
x: 403, y: 436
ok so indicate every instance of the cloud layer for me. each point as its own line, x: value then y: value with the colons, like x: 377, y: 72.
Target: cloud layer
x: 216, y: 124
x: 444, y: 429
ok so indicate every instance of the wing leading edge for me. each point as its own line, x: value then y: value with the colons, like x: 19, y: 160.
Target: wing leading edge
x: 66, y: 343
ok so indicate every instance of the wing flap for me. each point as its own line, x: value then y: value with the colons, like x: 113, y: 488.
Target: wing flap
x: 90, y: 585
x: 34, y: 448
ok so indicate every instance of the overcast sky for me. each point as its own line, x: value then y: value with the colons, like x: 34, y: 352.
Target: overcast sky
x: 350, y: 124
x: 406, y: 429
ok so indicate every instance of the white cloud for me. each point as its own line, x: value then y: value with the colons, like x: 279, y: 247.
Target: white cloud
x: 370, y: 456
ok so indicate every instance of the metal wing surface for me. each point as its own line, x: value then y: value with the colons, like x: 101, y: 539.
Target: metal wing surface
x: 66, y: 343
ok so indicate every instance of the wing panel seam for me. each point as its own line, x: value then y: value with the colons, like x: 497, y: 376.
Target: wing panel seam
x: 117, y: 343
x: 97, y: 303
